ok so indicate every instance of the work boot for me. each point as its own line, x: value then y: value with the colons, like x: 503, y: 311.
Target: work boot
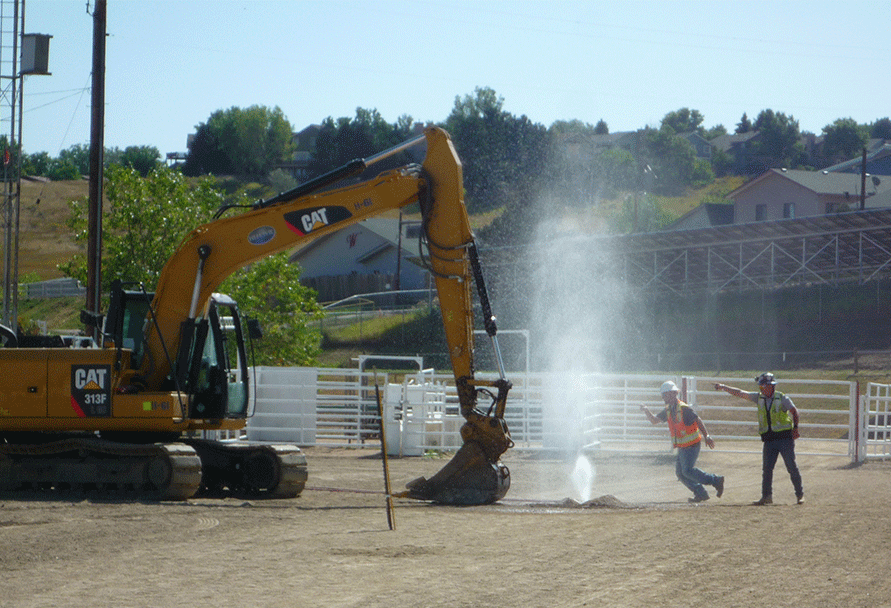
x: 719, y: 486
x: 764, y: 500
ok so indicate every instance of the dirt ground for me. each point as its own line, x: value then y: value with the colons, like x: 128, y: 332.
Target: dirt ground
x: 637, y: 542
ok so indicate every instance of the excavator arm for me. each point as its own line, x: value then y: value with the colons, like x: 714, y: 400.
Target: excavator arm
x: 212, y: 252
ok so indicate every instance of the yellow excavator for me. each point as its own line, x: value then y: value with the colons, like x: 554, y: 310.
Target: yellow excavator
x: 126, y: 414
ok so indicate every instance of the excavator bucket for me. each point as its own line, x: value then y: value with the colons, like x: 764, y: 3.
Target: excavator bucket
x: 469, y: 478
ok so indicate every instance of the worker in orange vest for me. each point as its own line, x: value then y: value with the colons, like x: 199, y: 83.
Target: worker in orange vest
x: 687, y: 432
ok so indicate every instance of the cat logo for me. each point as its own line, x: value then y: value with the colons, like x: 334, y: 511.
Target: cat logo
x: 310, y: 220
x: 91, y: 390
x: 314, y: 220
x: 90, y: 379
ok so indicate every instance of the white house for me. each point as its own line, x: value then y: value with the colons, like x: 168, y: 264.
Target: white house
x: 362, y: 258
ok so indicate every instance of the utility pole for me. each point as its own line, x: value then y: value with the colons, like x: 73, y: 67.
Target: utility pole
x: 863, y: 182
x: 97, y: 153
x: 399, y: 255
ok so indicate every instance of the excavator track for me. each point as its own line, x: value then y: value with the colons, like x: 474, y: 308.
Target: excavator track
x: 159, y: 471
x: 250, y: 469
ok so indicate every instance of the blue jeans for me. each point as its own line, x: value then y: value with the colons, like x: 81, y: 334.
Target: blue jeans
x: 770, y: 452
x: 689, y: 475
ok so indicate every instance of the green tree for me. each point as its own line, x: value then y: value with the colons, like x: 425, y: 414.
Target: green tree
x: 206, y: 154
x: 843, y: 139
x: 561, y: 128
x: 779, y: 143
x: 744, y: 125
x: 143, y: 222
x: 249, y: 142
x: 601, y: 128
x: 344, y: 139
x: 270, y: 291
x: 716, y: 131
x: 641, y: 213
x: 63, y: 170
x: 881, y: 129
x: 280, y: 180
x: 36, y: 164
x: 503, y: 156
x: 672, y: 161
x: 77, y: 156
x: 684, y: 120
x: 722, y: 163
x: 144, y: 159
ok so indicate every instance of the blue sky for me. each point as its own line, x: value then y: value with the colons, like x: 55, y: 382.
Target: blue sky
x: 170, y: 64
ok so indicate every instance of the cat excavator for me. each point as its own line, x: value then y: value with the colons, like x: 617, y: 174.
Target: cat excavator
x: 127, y: 410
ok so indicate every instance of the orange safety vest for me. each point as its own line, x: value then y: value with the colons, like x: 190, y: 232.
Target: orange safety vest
x: 682, y: 435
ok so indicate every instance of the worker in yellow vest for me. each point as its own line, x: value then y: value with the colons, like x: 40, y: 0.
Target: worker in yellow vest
x: 778, y: 426
x: 687, y: 432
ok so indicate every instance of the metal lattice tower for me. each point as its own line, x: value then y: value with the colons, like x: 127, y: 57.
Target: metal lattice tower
x: 12, y: 20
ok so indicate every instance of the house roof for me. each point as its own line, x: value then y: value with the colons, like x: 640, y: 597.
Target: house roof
x: 728, y: 140
x: 880, y: 152
x: 819, y: 182
x: 388, y: 228
x: 609, y: 139
x: 716, y: 214
x: 692, y: 135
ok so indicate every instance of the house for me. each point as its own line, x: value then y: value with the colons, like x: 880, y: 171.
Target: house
x: 878, y: 161
x: 701, y: 146
x: 624, y: 140
x: 741, y: 148
x: 706, y: 215
x: 787, y: 193
x: 363, y: 258
x: 304, y: 145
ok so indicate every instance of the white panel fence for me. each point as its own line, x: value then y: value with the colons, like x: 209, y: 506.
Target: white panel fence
x: 551, y: 412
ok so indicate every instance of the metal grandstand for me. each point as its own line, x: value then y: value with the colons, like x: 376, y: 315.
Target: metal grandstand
x: 850, y: 247
x: 829, y: 249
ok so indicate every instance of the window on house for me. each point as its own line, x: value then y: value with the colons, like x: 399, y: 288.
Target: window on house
x: 760, y: 213
x: 789, y: 210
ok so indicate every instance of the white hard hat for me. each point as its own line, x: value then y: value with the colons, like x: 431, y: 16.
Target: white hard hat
x: 668, y: 386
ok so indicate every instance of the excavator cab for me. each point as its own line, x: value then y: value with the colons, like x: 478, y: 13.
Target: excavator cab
x: 125, y: 321
x: 210, y: 362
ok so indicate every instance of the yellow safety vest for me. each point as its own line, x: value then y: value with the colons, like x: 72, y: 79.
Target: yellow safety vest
x: 780, y: 419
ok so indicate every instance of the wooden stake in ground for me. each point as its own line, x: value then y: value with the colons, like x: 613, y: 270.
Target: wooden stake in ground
x: 391, y: 514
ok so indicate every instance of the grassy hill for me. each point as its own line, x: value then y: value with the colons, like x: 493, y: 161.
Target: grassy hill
x: 44, y: 239
x: 714, y: 192
x: 45, y: 242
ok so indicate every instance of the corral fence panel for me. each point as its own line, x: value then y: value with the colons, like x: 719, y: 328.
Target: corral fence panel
x: 551, y: 412
x: 875, y: 423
